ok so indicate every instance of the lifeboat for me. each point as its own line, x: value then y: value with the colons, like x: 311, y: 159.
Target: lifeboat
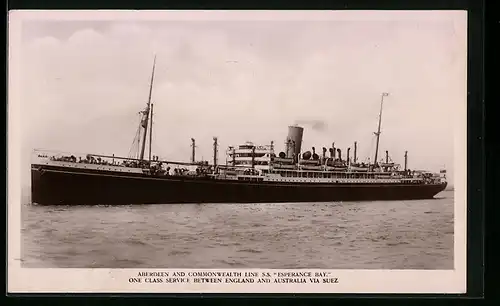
x: 282, y: 160
x: 314, y: 162
x: 282, y: 166
x: 311, y: 167
x: 359, y: 169
x: 336, y: 168
x: 340, y: 168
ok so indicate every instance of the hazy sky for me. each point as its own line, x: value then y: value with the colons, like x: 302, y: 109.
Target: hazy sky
x: 85, y: 81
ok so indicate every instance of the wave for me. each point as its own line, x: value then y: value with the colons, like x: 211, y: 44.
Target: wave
x: 179, y: 252
x: 250, y: 251
x: 397, y: 243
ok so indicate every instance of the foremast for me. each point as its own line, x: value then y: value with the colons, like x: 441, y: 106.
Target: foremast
x: 377, y: 133
x: 147, y: 117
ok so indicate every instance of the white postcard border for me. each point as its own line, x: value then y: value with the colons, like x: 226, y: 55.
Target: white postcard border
x: 33, y: 280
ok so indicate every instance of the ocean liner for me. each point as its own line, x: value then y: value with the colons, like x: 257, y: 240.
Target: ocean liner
x: 252, y: 173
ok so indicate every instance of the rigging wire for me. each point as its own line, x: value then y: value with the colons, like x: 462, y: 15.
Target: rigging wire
x: 135, y: 146
x: 367, y: 152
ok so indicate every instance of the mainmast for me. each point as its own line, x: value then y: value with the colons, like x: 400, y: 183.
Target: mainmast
x: 384, y: 94
x: 147, y: 113
x: 150, y: 131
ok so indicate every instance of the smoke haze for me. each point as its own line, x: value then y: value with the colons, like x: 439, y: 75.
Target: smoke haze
x: 315, y: 124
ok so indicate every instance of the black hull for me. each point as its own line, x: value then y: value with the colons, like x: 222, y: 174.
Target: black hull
x: 53, y: 185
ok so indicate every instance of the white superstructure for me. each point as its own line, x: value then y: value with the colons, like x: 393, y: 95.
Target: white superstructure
x: 250, y: 155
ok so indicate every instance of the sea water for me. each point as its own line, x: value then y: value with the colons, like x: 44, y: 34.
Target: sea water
x: 335, y: 235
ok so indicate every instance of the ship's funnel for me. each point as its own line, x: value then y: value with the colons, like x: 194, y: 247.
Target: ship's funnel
x: 295, y: 134
x: 331, y: 153
x: 340, y: 154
